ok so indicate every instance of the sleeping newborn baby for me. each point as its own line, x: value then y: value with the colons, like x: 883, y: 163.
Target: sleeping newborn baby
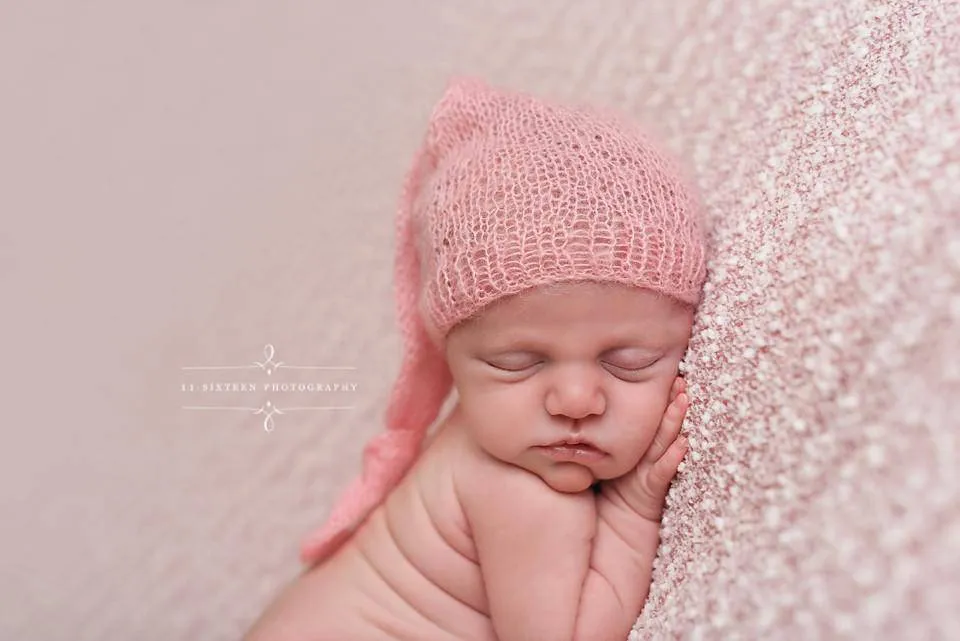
x: 548, y: 268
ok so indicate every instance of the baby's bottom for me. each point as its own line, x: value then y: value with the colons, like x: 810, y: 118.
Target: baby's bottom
x: 312, y: 608
x: 288, y: 617
x: 345, y: 599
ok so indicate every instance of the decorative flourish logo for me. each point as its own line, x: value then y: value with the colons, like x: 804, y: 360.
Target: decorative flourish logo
x: 269, y: 366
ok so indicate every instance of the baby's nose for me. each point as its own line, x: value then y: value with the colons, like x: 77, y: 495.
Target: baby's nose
x: 575, y: 393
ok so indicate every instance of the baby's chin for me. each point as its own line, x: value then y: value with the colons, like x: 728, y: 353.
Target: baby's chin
x: 567, y: 477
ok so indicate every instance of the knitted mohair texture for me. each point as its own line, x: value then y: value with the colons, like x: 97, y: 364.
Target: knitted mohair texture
x: 509, y: 192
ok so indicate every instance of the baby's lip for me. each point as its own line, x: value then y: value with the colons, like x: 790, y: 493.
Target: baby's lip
x: 573, y: 442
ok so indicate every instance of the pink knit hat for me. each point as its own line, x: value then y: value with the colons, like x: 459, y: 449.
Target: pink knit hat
x: 509, y: 192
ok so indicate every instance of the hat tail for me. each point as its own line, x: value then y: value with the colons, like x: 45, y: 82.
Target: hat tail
x: 418, y: 394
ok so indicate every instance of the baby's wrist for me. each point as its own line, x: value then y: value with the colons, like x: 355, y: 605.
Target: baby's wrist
x: 638, y: 531
x: 619, y: 496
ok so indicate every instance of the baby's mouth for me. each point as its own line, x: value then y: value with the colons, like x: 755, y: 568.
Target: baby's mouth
x: 574, y: 450
x: 573, y: 442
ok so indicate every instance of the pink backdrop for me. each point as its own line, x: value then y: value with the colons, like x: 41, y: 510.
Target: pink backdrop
x: 182, y: 184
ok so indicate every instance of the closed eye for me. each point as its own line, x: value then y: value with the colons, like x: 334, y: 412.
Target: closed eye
x: 512, y: 367
x: 520, y: 367
x: 634, y: 370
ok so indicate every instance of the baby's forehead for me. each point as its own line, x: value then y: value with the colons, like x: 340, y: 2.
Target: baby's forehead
x: 585, y: 313
x: 607, y: 300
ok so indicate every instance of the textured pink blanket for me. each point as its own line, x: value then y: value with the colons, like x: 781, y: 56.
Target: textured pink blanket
x: 823, y: 498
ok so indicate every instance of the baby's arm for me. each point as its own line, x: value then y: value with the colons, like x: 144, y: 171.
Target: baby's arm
x: 571, y: 567
x: 533, y: 546
x: 629, y: 510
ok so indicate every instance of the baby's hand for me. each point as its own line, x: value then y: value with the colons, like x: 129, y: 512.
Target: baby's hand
x: 644, y: 489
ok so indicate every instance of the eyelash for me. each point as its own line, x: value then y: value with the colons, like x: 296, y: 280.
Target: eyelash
x: 512, y: 371
x: 635, y: 370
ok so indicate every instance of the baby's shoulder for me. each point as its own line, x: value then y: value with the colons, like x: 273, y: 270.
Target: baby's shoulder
x: 432, y: 491
x: 452, y: 460
x: 448, y: 456
x: 482, y: 482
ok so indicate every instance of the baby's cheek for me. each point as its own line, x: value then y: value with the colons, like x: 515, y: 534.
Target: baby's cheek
x: 644, y: 421
x: 492, y: 424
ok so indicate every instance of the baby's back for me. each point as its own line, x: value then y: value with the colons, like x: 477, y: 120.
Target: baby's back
x: 411, y: 571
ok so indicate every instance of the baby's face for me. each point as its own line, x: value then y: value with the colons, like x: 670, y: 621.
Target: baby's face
x: 587, y: 364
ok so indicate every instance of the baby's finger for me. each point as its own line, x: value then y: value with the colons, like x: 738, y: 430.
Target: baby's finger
x: 679, y: 385
x: 663, y: 471
x: 669, y: 427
